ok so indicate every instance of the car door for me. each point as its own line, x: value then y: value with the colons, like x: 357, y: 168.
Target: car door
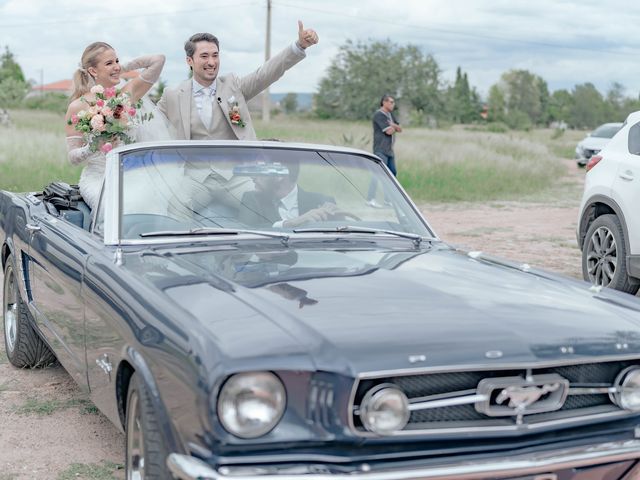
x: 626, y: 188
x: 58, y: 250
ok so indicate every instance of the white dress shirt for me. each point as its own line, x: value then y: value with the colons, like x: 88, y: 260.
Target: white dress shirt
x: 204, y: 98
x: 288, y: 207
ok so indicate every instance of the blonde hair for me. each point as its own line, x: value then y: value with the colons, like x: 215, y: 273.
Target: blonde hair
x: 82, y: 79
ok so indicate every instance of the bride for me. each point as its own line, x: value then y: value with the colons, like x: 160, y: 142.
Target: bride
x: 100, y: 66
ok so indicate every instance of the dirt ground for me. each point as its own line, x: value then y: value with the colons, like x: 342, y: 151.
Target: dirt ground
x: 49, y: 430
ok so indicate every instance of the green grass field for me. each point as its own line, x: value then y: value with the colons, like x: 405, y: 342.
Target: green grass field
x: 457, y: 164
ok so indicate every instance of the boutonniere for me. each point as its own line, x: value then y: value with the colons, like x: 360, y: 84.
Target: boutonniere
x: 234, y: 112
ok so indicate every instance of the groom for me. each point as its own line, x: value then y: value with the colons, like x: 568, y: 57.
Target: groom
x: 208, y: 107
x: 211, y: 107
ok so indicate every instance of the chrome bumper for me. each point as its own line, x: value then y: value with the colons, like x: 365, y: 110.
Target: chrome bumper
x: 184, y: 467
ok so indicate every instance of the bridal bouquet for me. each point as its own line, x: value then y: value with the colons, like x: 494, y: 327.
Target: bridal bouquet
x: 108, y: 119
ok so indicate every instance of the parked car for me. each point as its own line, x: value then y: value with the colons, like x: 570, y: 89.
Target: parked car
x: 234, y: 336
x: 595, y: 141
x: 609, y: 224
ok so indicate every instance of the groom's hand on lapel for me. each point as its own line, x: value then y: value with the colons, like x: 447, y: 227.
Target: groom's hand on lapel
x: 306, y: 37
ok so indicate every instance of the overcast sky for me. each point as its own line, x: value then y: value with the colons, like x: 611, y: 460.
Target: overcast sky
x: 565, y: 42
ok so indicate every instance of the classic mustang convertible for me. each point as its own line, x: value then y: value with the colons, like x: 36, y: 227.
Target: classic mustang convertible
x: 241, y: 311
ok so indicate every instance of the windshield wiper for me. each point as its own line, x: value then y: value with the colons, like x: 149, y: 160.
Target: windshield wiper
x: 214, y: 231
x: 417, y: 239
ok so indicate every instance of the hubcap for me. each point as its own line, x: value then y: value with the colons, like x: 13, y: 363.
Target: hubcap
x: 602, y: 257
x: 135, y: 441
x: 10, y: 311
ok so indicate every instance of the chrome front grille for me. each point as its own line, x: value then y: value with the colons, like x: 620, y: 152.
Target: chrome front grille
x: 587, y: 398
x: 320, y: 403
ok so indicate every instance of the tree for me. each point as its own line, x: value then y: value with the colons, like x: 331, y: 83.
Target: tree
x: 9, y: 68
x: 362, y: 72
x: 462, y: 102
x: 419, y: 82
x: 496, y: 104
x: 615, y: 102
x: 290, y: 103
x: 560, y: 105
x: 12, y: 92
x: 524, y: 95
x: 13, y: 86
x: 589, y: 108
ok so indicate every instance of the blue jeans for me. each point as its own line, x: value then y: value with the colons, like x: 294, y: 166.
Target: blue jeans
x: 390, y: 162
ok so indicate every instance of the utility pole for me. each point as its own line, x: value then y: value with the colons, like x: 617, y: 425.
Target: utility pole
x: 266, y: 103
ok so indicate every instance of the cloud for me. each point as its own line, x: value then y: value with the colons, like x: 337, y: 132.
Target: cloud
x: 567, y: 43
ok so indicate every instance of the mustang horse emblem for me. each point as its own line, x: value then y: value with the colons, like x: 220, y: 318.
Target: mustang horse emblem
x: 520, y: 397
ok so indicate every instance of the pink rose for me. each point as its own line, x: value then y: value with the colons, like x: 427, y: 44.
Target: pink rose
x: 74, y: 119
x: 100, y: 103
x: 110, y: 92
x: 97, y: 123
x: 106, y: 148
x: 132, y: 112
x: 107, y: 112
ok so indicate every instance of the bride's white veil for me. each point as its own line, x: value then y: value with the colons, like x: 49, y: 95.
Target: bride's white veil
x: 156, y: 128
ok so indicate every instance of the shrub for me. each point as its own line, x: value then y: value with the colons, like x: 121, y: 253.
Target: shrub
x: 52, y: 102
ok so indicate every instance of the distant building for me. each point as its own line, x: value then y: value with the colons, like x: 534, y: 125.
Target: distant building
x: 65, y: 86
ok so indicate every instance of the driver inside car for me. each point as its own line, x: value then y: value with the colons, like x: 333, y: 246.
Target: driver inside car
x: 278, y: 201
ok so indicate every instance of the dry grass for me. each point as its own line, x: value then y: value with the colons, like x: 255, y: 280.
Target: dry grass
x: 458, y: 164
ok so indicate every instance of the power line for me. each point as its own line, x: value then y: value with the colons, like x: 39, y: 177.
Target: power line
x: 448, y: 31
x: 125, y: 17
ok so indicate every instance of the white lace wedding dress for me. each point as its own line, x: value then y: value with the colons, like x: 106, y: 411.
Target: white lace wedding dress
x: 92, y: 176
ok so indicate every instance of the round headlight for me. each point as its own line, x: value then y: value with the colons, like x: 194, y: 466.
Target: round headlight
x: 627, y: 385
x: 251, y: 404
x: 384, y: 409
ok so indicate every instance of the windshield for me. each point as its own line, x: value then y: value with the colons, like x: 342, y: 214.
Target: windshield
x: 606, y: 131
x: 176, y: 190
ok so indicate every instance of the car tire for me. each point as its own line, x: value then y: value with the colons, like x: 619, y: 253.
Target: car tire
x: 604, y: 256
x: 146, y: 452
x: 23, y: 345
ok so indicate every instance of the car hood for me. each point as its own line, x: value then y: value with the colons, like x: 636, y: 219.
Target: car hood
x: 369, y: 309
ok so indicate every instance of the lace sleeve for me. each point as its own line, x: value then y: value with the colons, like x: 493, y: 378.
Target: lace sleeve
x: 152, y: 65
x: 77, y: 150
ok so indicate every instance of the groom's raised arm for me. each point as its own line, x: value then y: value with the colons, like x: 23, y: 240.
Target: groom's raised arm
x: 273, y: 69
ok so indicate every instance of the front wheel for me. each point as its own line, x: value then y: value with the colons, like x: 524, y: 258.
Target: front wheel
x: 24, y: 347
x: 604, y: 256
x: 146, y: 452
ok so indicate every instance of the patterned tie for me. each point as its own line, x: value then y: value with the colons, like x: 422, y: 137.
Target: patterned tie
x: 207, y: 107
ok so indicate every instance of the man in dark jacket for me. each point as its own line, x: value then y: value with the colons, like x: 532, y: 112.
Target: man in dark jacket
x: 385, y: 126
x: 278, y: 201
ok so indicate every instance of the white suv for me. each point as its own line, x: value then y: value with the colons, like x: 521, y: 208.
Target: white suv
x: 609, y: 222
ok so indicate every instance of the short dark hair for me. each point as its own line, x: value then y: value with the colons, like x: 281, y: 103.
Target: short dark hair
x: 385, y: 98
x: 190, y: 45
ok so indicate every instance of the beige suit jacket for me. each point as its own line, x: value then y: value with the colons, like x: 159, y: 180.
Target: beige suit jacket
x: 176, y: 102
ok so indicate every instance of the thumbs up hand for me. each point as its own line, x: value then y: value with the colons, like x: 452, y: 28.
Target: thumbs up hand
x: 306, y: 37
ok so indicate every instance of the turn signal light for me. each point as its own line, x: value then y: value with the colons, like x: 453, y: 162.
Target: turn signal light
x: 593, y: 161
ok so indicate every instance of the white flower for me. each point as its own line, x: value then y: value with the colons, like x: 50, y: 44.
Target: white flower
x: 231, y: 100
x: 97, y: 89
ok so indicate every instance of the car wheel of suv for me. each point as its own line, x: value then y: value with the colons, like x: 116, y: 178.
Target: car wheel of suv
x: 23, y: 345
x: 604, y: 256
x: 145, y: 449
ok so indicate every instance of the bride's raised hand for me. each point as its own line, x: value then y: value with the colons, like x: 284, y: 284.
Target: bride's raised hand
x: 140, y: 85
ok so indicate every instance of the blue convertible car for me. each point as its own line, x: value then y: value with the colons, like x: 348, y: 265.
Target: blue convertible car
x: 242, y: 312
